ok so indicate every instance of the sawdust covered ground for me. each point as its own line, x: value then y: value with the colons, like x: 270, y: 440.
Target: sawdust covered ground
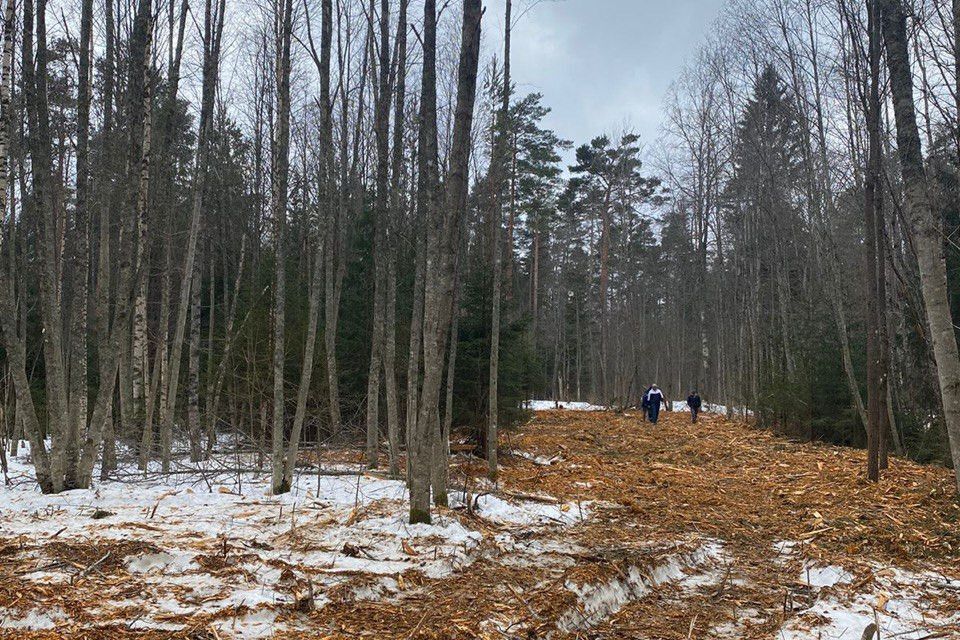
x: 693, y: 531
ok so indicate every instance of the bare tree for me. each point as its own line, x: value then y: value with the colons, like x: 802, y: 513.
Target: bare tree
x: 499, y: 161
x: 876, y: 397
x: 393, y: 228
x: 442, y: 240
x: 212, y: 38
x: 381, y: 125
x: 280, y: 163
x: 927, y: 228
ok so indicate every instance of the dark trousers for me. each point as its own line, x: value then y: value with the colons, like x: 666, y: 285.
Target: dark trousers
x: 654, y: 413
x: 694, y: 412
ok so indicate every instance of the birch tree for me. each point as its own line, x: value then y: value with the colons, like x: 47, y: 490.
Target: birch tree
x: 927, y: 229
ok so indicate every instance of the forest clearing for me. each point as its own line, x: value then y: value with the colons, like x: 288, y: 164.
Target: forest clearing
x: 355, y: 318
x: 604, y: 527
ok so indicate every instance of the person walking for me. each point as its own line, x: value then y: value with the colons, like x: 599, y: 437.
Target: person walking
x: 645, y: 402
x: 694, y: 403
x: 653, y: 399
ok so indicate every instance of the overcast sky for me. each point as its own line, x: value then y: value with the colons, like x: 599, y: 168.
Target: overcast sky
x: 602, y: 65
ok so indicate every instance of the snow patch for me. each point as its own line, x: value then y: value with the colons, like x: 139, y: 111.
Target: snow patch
x: 598, y: 602
x: 825, y: 576
x: 167, y: 562
x: 525, y: 513
x: 33, y: 620
x: 903, y: 604
x: 551, y: 405
x: 542, y: 461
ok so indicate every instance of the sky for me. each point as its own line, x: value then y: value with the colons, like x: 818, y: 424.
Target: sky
x: 603, y: 66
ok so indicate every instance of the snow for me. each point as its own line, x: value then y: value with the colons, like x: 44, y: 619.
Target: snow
x: 327, y: 530
x: 160, y: 562
x: 898, y: 601
x: 829, y: 576
x: 333, y: 528
x: 676, y: 405
x: 550, y: 405
x: 542, y: 461
x: 714, y: 408
x: 529, y: 514
x: 33, y: 620
x: 252, y: 626
x: 597, y: 602
x: 902, y: 616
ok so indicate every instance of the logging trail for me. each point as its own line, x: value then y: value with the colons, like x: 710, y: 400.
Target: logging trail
x: 603, y: 526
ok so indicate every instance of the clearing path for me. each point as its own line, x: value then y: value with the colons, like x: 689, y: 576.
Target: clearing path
x: 604, y: 527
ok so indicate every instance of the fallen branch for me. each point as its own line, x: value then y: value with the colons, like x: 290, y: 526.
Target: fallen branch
x: 532, y: 497
x: 93, y: 566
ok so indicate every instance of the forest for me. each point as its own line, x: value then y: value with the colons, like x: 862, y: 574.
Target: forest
x: 291, y: 243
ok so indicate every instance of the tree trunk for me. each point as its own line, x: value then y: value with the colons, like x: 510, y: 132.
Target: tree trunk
x: 35, y: 75
x: 442, y: 447
x: 416, y: 340
x: 209, y: 372
x: 871, y: 265
x: 381, y: 125
x: 280, y: 164
x: 393, y: 228
x: 213, y: 400
x: 213, y: 30
x: 26, y: 412
x: 420, y: 442
x: 927, y: 227
x: 81, y: 266
x: 119, y: 333
x: 193, y: 363
x: 443, y: 235
x: 501, y: 157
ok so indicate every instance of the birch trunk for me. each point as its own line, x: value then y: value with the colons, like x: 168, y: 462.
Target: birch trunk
x: 26, y: 412
x: 926, y: 225
x: 119, y: 332
x: 35, y: 87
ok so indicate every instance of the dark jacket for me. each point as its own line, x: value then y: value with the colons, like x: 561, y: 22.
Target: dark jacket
x: 650, y: 398
x: 694, y: 401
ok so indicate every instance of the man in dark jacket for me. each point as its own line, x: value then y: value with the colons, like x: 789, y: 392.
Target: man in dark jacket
x: 653, y: 399
x: 694, y: 403
x: 645, y: 403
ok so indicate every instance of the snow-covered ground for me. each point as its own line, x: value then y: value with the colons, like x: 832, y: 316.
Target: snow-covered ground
x: 898, y: 602
x: 218, y: 541
x: 676, y: 405
x: 157, y: 553
x: 550, y: 405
